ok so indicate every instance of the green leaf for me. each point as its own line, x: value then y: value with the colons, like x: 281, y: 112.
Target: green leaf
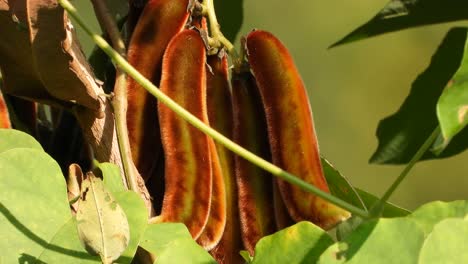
x: 230, y: 16
x: 102, y: 224
x: 390, y: 209
x: 111, y: 177
x: 246, y: 256
x: 303, y: 242
x: 428, y: 215
x: 404, y: 14
x: 402, y: 134
x: 137, y: 216
x: 117, y: 8
x: 347, y: 227
x: 11, y: 138
x: 66, y: 247
x: 394, y: 240
x: 131, y: 203
x: 452, y: 107
x: 447, y: 243
x: 340, y: 186
x: 33, y: 205
x: 172, y: 243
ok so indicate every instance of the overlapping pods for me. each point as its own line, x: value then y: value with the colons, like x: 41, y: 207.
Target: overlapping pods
x: 254, y: 184
x: 290, y: 128
x: 188, y: 162
x: 220, y: 118
x: 158, y: 23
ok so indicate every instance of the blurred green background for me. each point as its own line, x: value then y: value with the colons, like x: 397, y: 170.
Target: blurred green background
x: 354, y: 86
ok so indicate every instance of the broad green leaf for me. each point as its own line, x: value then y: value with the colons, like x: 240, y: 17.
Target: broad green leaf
x: 303, y: 242
x: 428, y: 215
x: 230, y: 15
x: 447, y: 243
x: 347, y: 227
x: 11, y: 138
x: 66, y: 247
x: 395, y: 240
x: 402, y: 134
x: 340, y: 186
x: 102, y: 224
x: 184, y: 250
x: 137, y: 217
x: 33, y: 204
x: 132, y: 205
x: 172, y: 243
x: 390, y: 209
x: 452, y: 107
x: 111, y: 177
x: 404, y: 14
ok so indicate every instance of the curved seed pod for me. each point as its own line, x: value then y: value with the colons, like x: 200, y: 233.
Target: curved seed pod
x: 4, y: 115
x: 158, y: 23
x: 135, y: 8
x: 188, y: 173
x: 290, y: 127
x: 254, y: 184
x: 214, y: 228
x: 282, y: 217
x: 220, y: 118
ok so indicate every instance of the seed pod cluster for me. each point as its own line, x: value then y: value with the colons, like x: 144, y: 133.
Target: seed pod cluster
x: 226, y: 202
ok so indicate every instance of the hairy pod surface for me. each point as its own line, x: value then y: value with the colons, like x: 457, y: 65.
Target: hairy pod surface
x: 214, y: 228
x: 282, y: 217
x: 254, y: 184
x: 220, y: 117
x: 290, y: 128
x: 158, y: 23
x: 4, y: 115
x: 188, y: 171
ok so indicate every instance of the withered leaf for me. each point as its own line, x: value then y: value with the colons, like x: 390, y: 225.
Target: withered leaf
x: 102, y: 224
x: 41, y: 58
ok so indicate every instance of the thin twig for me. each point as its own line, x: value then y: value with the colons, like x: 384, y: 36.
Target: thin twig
x: 119, y: 102
x: 108, y: 25
x: 377, y: 209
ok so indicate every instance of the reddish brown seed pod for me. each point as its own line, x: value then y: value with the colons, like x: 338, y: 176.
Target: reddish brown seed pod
x: 158, y: 23
x: 282, y: 217
x: 4, y: 115
x: 188, y: 171
x: 290, y: 128
x: 254, y: 184
x: 214, y: 228
x: 220, y: 118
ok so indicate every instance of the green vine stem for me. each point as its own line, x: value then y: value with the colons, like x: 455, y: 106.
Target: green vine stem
x: 119, y: 101
x: 163, y: 98
x: 209, y: 12
x: 378, y: 208
x: 216, y: 34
